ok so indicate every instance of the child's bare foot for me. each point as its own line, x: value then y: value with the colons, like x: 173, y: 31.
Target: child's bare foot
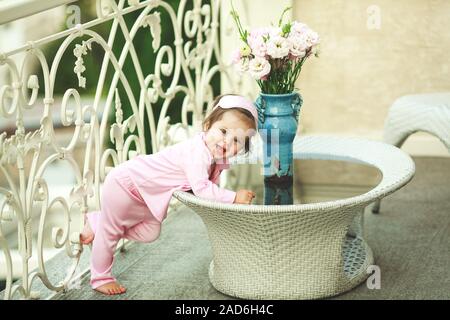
x: 87, y: 235
x: 111, y: 288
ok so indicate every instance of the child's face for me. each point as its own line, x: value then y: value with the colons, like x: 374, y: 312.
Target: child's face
x: 226, y: 137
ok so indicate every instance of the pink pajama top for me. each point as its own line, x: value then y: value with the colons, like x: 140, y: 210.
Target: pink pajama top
x: 183, y: 166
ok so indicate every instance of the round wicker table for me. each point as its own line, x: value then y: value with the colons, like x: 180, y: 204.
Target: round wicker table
x: 306, y: 250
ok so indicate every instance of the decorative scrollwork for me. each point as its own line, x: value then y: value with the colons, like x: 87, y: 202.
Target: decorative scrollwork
x: 261, y: 107
x: 153, y: 21
x: 25, y: 156
x: 297, y: 102
x: 80, y: 51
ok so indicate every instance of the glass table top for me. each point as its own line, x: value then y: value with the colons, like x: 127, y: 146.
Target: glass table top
x: 313, y: 181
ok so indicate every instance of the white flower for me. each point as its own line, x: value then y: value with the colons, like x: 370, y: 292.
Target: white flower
x: 299, y: 45
x: 275, y: 32
x: 259, y: 68
x: 242, y: 66
x: 278, y: 47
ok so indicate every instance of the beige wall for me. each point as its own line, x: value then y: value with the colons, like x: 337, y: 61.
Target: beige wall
x: 360, y: 72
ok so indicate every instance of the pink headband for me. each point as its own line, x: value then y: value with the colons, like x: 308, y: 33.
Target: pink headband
x: 231, y: 101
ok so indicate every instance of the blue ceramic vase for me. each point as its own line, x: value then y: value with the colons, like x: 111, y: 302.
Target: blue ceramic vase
x: 278, y: 116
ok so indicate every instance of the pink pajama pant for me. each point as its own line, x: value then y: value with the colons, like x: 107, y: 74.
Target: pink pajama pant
x: 123, y: 215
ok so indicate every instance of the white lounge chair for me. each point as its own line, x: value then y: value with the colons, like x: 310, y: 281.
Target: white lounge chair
x: 420, y: 112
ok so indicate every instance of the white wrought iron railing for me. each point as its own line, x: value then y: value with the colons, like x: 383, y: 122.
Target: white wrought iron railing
x: 26, y: 154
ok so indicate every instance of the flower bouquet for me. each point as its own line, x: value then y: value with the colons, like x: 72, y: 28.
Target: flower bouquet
x: 274, y: 55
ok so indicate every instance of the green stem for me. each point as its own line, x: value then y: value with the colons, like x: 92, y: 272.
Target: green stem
x: 235, y: 15
x: 282, y: 16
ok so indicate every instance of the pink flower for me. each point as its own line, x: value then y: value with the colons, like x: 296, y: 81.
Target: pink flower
x: 257, y: 41
x: 299, y: 28
x: 242, y: 66
x: 259, y: 67
x: 236, y: 56
x: 312, y: 38
x: 299, y: 45
x: 258, y: 45
x: 260, y: 32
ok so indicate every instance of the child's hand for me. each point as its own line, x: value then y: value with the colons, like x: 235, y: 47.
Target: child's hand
x: 244, y: 196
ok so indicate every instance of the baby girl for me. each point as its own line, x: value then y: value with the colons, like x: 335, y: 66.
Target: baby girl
x: 135, y: 195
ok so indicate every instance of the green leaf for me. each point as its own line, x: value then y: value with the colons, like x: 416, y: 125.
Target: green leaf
x: 286, y: 28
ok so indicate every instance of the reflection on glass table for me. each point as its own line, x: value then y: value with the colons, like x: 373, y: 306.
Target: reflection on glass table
x: 313, y: 181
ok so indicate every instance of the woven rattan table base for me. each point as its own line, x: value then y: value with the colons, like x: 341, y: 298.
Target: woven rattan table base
x: 357, y: 257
